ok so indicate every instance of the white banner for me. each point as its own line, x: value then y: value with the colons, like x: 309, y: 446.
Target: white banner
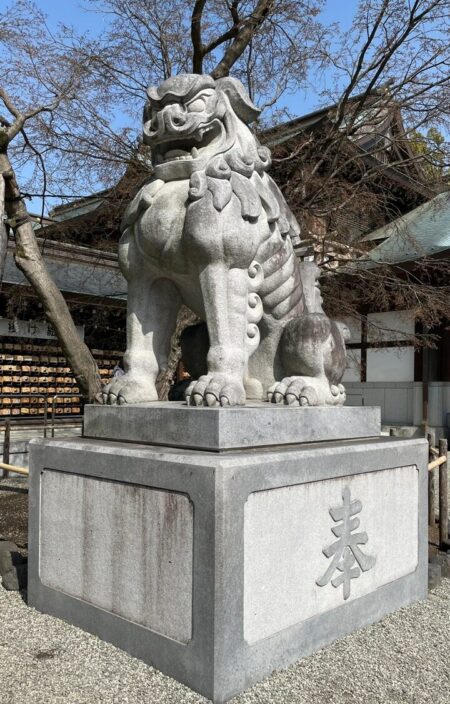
x: 30, y: 329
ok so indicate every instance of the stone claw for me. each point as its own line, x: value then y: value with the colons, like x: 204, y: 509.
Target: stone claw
x: 305, y: 391
x: 216, y: 390
x: 197, y: 399
x: 127, y: 389
x: 211, y: 399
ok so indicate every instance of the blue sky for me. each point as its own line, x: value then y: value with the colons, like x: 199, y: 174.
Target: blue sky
x: 69, y: 12
x: 74, y: 12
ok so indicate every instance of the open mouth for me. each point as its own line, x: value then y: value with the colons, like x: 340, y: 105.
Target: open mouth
x: 186, y: 147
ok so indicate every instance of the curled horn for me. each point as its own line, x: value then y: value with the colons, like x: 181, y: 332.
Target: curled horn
x: 240, y: 101
x: 153, y: 97
x: 153, y: 94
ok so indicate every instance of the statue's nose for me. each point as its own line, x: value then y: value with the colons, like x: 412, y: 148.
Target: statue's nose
x: 174, y: 117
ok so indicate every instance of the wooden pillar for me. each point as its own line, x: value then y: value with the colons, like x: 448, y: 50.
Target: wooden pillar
x: 445, y: 353
x: 431, y: 488
x: 364, y: 349
x: 443, y: 494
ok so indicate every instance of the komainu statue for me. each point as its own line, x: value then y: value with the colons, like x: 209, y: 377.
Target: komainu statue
x: 212, y: 230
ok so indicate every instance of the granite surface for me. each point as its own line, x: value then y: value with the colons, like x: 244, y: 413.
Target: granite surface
x: 255, y: 425
x: 352, y: 500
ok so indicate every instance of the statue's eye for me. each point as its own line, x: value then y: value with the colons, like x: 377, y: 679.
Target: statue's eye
x: 197, y: 105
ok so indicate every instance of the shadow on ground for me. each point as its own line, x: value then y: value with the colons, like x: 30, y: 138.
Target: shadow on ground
x: 14, y: 512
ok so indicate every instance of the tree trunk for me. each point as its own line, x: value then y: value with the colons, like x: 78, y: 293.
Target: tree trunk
x: 185, y: 318
x: 3, y: 230
x: 29, y: 260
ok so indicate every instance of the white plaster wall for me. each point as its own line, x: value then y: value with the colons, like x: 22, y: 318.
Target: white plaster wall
x: 401, y: 402
x: 390, y: 364
x: 286, y: 530
x: 438, y: 403
x: 127, y: 549
x: 353, y: 369
x: 391, y: 325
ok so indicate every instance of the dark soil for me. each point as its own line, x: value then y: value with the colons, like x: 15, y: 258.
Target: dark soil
x: 14, y: 512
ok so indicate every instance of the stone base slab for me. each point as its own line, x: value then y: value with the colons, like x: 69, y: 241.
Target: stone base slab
x: 254, y: 425
x: 217, y: 568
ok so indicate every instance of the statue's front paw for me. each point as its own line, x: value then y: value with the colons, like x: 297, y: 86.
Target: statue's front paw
x: 216, y: 390
x: 128, y: 389
x: 306, y: 391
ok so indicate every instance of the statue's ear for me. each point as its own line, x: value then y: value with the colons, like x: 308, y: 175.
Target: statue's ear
x: 240, y: 101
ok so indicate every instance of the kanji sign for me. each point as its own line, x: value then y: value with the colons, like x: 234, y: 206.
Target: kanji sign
x: 348, y: 558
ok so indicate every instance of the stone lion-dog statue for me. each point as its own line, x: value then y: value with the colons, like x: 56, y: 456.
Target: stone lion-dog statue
x: 212, y: 230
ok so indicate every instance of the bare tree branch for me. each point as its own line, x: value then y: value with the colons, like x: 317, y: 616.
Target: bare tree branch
x: 243, y: 38
x: 196, y: 37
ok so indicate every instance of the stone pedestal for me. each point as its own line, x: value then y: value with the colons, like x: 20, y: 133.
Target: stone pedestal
x: 218, y: 566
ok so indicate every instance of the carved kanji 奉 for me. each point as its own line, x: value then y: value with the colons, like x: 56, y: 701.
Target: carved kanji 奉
x: 346, y: 551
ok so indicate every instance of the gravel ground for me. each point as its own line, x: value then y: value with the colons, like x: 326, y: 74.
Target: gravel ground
x: 404, y: 658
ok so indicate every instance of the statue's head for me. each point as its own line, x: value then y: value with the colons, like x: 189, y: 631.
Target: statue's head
x: 190, y: 119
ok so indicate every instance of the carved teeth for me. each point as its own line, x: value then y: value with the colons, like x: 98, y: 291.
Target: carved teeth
x: 175, y: 153
x: 194, y: 152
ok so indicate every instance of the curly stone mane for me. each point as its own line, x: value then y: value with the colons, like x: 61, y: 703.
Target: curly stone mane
x: 242, y: 170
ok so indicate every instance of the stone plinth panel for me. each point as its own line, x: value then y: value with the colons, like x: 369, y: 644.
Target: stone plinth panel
x: 124, y: 548
x: 277, y: 565
x: 219, y: 567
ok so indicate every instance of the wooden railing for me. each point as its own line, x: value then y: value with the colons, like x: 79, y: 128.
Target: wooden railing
x: 14, y: 468
x: 46, y: 426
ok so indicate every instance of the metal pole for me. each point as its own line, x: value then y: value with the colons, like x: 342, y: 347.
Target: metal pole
x: 6, y: 444
x: 53, y: 413
x: 45, y: 415
x: 443, y: 494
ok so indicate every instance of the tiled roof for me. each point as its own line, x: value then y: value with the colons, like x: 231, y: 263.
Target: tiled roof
x: 422, y: 232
